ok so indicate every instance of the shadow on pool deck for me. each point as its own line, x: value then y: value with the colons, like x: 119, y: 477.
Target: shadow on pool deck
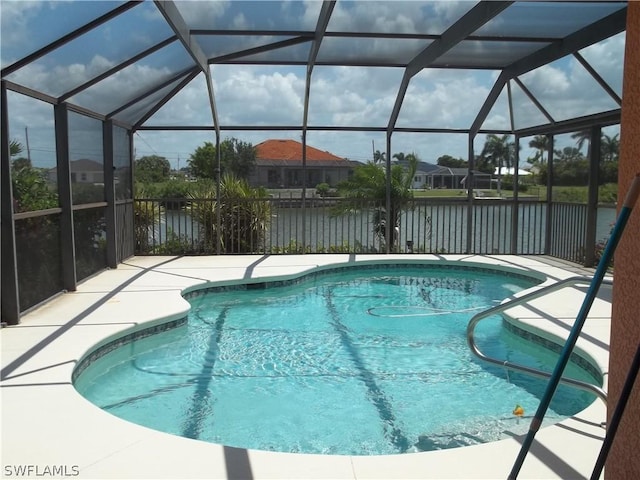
x: 238, y: 463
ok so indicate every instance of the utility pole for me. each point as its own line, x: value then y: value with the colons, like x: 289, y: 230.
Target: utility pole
x: 26, y: 135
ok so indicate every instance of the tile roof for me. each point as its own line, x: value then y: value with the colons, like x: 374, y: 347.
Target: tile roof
x: 288, y: 152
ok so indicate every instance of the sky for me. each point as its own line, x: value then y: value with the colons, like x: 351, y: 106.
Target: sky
x: 274, y: 95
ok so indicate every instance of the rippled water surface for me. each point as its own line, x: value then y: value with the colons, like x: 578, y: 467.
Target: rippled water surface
x: 364, y: 362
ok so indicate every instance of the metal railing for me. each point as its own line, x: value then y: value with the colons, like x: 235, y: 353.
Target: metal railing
x: 520, y: 301
x: 291, y: 225
x: 568, y: 230
x: 284, y: 225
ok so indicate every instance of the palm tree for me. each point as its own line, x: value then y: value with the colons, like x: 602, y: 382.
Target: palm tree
x: 15, y: 148
x: 540, y: 143
x: 244, y: 214
x: 610, y: 147
x: 379, y: 157
x: 581, y: 137
x: 498, y: 152
x: 400, y: 156
x: 367, y: 189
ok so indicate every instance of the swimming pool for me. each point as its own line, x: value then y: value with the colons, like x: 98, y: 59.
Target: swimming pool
x: 361, y: 361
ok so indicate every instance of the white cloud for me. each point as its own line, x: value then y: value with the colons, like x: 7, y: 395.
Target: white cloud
x: 240, y: 22
x: 438, y: 99
x: 566, y: 89
x: 397, y: 16
x: 547, y: 81
x: 61, y: 78
x: 15, y: 19
x: 190, y: 106
x: 251, y: 95
x: 450, y: 11
x: 115, y: 90
x: 203, y: 13
x: 607, y: 58
x: 352, y: 96
x: 307, y: 20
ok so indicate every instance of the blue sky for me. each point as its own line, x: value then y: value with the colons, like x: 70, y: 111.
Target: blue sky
x: 267, y: 95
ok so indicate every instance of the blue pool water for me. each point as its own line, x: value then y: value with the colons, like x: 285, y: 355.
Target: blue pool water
x: 361, y: 362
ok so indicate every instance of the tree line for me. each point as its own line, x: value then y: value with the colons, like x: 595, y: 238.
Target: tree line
x: 570, y: 168
x: 237, y: 158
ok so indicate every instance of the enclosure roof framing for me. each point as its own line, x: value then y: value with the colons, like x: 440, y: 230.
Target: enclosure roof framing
x: 169, y: 45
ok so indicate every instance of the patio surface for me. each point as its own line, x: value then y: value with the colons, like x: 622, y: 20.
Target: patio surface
x: 48, y: 427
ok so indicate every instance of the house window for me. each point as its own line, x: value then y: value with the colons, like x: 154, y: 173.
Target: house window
x: 83, y: 177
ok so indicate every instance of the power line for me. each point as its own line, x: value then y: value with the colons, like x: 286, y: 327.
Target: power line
x: 146, y: 143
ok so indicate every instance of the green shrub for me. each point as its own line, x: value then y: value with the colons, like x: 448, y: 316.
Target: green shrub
x: 31, y: 191
x: 176, y: 245
x: 174, y: 193
x: 244, y: 214
x: 608, y: 193
x: 507, y: 184
x: 323, y: 189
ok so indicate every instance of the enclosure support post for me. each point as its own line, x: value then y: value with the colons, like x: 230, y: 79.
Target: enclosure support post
x: 304, y: 190
x: 515, y: 209
x: 469, y: 186
x: 109, y: 194
x: 592, y: 197
x: 549, y: 198
x: 10, y: 298
x: 132, y: 237
x: 68, y: 253
x: 388, y: 226
x: 217, y: 171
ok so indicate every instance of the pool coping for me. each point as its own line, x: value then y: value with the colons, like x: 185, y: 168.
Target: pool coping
x: 46, y: 423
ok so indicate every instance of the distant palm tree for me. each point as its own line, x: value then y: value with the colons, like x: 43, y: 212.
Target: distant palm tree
x: 581, y: 137
x: 379, y: 157
x: 367, y: 189
x: 400, y: 156
x: 540, y: 143
x: 610, y: 147
x: 412, y: 157
x: 15, y: 148
x: 499, y: 152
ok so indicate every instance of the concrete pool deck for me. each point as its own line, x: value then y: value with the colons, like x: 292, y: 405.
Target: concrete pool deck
x: 47, y: 427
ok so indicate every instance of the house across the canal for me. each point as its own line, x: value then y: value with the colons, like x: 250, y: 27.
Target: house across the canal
x: 279, y: 165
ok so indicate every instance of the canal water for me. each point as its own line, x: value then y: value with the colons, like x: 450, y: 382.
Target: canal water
x: 437, y: 228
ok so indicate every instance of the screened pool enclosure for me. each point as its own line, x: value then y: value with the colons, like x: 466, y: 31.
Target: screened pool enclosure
x: 89, y: 86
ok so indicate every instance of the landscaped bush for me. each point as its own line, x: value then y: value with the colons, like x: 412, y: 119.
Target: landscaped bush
x: 507, y: 184
x: 174, y: 193
x: 322, y: 189
x: 243, y: 210
x: 176, y: 245
x: 31, y: 191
